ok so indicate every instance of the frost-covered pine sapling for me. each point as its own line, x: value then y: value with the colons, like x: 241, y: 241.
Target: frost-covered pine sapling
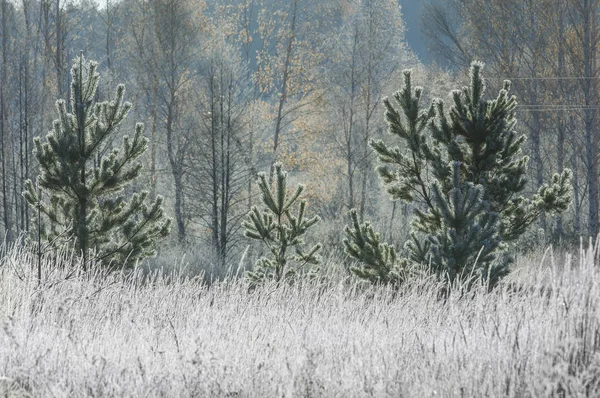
x: 380, y: 264
x: 81, y: 198
x: 468, y: 242
x: 478, y: 133
x: 480, y: 137
x: 280, y: 230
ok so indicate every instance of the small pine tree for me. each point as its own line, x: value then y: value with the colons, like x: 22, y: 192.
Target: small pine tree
x: 380, y: 262
x: 279, y: 230
x: 465, y: 171
x: 79, y: 190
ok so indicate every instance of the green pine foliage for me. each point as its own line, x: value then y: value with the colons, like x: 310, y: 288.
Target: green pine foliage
x: 465, y: 172
x: 468, y: 237
x: 280, y: 231
x: 79, y: 191
x: 380, y: 262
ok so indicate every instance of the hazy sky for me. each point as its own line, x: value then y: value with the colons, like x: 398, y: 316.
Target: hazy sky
x: 411, y: 10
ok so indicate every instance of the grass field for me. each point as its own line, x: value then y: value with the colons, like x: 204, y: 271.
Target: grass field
x: 113, y: 335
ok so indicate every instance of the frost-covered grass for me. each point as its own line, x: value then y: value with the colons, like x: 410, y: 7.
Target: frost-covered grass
x: 99, y: 335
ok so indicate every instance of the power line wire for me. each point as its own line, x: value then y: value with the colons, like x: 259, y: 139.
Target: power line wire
x: 545, y: 78
x: 559, y: 106
x: 556, y: 110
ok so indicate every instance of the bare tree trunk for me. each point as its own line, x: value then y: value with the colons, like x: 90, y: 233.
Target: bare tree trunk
x: 153, y: 177
x: 4, y: 121
x: 284, y: 85
x: 576, y: 198
x: 225, y: 170
x: 108, y: 29
x: 177, y: 170
x: 363, y: 188
x: 366, y: 161
x: 214, y: 170
x: 537, y: 154
x: 178, y: 178
x: 59, y: 51
x: 16, y: 193
x: 350, y: 160
x: 563, y: 120
x: 392, y: 217
x: 590, y: 97
x: 350, y: 152
x: 25, y: 126
x: 350, y: 171
x: 560, y: 159
x: 247, y: 18
x: 22, y: 142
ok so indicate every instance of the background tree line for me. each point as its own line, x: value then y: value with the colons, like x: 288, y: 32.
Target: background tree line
x: 228, y: 87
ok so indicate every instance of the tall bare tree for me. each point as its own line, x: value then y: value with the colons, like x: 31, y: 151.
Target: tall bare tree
x: 7, y: 66
x: 365, y: 54
x: 170, y: 52
x: 218, y: 171
x: 291, y: 32
x: 583, y: 50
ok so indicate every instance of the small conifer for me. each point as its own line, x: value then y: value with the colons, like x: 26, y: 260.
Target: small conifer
x: 79, y: 191
x: 280, y: 230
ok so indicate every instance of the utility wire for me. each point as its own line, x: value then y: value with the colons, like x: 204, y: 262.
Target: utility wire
x: 548, y: 107
x: 544, y: 78
x: 559, y: 106
x: 557, y: 109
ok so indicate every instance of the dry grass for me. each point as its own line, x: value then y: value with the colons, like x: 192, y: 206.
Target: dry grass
x: 98, y: 335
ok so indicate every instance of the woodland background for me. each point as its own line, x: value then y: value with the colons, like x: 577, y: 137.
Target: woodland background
x: 227, y: 87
